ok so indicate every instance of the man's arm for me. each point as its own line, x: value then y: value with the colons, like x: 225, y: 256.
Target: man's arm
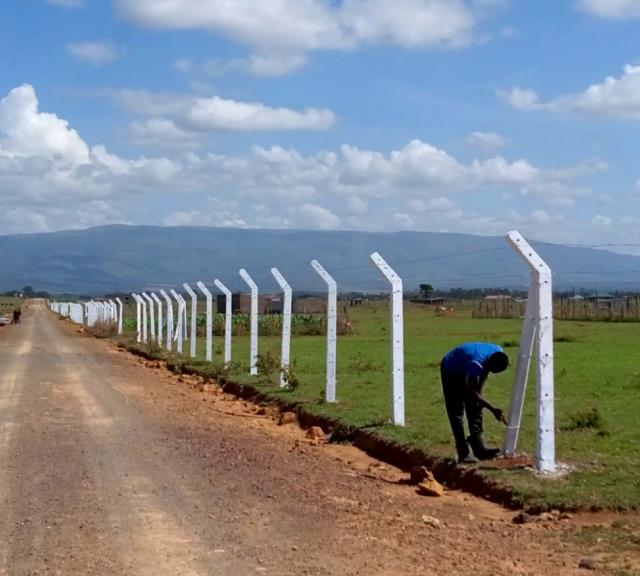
x: 474, y: 385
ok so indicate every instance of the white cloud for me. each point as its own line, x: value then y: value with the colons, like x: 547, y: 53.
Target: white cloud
x: 614, y: 98
x: 161, y: 132
x: 280, y: 33
x: 217, y: 113
x: 263, y: 64
x: 205, y: 114
x: 287, y: 23
x: 47, y: 168
x: 274, y: 64
x: 356, y: 205
x: 408, y: 23
x: 611, y: 9
x: 486, y: 140
x: 418, y: 171
x: 520, y: 98
x: 95, y: 53
x: 497, y: 170
x: 314, y: 216
x: 218, y: 213
x: 51, y: 178
x: 27, y: 132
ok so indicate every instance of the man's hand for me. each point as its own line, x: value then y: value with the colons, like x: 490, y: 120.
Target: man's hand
x: 500, y: 417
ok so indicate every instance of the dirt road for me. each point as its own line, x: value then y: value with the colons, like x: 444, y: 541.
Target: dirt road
x: 110, y: 467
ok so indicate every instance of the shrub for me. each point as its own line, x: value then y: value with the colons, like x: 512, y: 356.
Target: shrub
x: 268, y: 366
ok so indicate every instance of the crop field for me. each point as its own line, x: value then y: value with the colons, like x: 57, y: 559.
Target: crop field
x: 597, y: 394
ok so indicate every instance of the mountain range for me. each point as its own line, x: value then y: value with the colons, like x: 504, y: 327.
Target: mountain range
x: 116, y: 258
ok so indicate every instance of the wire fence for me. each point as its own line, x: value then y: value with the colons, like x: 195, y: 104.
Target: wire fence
x: 614, y: 309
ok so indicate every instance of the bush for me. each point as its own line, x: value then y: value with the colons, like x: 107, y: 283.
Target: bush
x: 268, y: 366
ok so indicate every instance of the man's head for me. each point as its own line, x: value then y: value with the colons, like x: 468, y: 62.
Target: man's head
x: 498, y: 362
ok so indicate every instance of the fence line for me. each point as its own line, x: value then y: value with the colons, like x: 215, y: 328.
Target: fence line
x: 622, y: 309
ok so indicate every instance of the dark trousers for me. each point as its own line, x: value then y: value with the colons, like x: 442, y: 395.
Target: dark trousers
x: 458, y: 402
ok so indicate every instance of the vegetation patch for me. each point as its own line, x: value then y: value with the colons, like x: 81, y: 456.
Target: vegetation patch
x: 589, y: 419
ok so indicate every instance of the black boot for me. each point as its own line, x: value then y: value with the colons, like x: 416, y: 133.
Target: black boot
x: 464, y: 455
x: 480, y: 450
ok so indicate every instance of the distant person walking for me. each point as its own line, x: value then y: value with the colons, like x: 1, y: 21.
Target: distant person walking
x: 17, y: 312
x: 464, y: 371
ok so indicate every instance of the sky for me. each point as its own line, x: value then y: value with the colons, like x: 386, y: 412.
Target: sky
x: 473, y: 116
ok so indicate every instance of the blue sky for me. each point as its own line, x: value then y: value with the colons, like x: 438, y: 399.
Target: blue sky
x: 471, y: 116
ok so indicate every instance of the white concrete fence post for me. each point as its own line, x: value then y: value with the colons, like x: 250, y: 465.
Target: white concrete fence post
x: 160, y: 319
x: 228, y: 319
x: 397, y: 336
x: 120, y: 314
x: 253, y: 354
x: 209, y: 328
x: 539, y: 331
x: 143, y: 303
x: 194, y: 319
x: 332, y: 329
x: 152, y: 314
x: 286, y: 325
x: 179, y: 332
x: 93, y: 312
x: 185, y: 322
x: 114, y: 312
x: 169, y: 302
x: 138, y: 316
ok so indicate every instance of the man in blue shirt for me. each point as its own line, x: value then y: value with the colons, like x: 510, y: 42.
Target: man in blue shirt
x: 463, y: 371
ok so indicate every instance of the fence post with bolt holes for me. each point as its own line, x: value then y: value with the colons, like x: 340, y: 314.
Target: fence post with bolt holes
x: 397, y: 336
x: 542, y: 306
x: 286, y: 325
x: 332, y: 329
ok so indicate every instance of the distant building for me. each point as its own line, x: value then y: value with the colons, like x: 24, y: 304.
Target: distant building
x: 241, y: 303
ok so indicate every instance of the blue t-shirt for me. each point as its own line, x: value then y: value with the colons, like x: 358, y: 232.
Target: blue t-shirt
x: 469, y: 359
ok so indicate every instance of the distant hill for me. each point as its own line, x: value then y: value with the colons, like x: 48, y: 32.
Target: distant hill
x: 125, y: 258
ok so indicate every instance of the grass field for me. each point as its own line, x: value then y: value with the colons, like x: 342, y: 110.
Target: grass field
x: 7, y: 305
x: 597, y: 395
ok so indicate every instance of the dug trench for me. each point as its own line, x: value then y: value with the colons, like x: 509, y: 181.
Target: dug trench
x: 170, y: 474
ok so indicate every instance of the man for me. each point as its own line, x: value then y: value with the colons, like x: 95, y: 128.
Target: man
x: 463, y: 371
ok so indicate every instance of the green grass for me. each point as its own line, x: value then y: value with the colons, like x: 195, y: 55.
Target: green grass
x: 7, y: 305
x: 597, y: 395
